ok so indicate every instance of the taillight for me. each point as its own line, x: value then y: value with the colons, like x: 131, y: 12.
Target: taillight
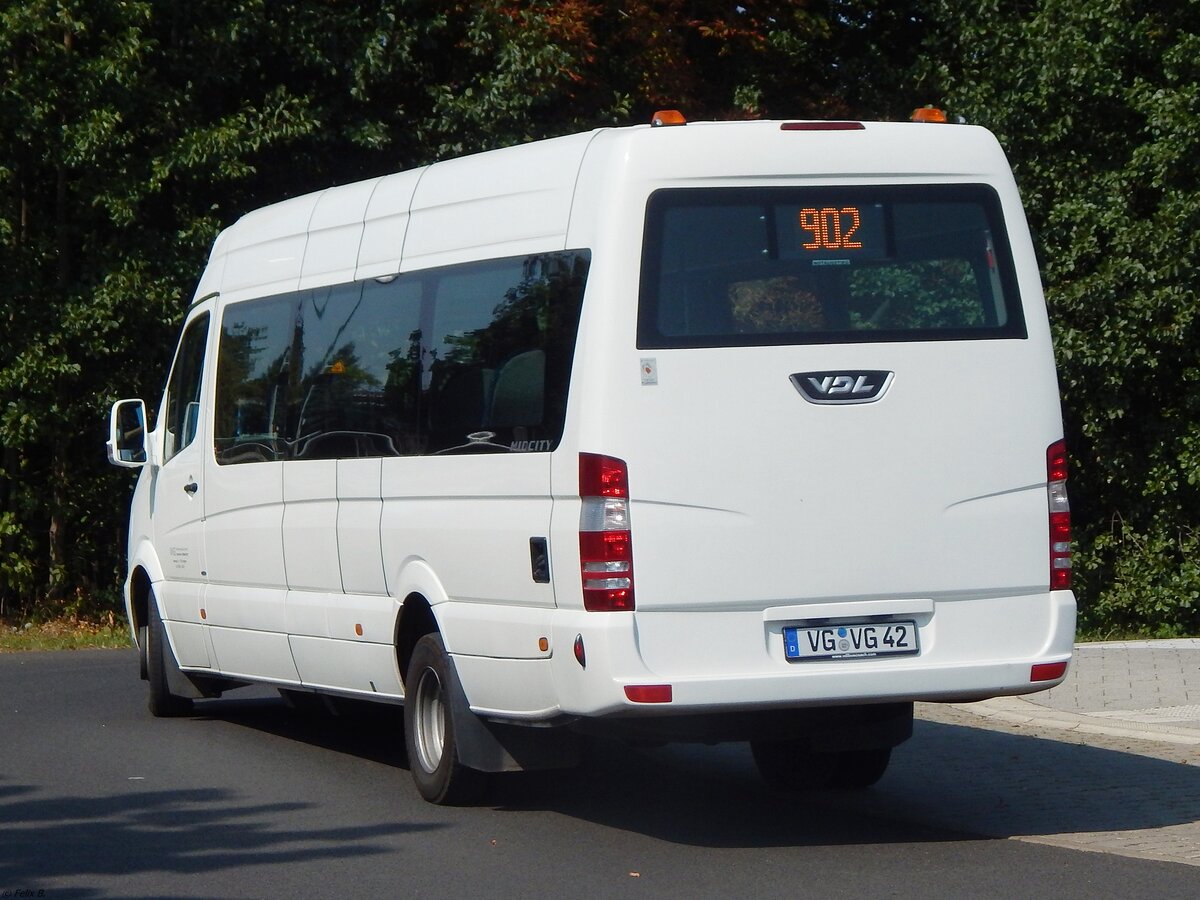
x: 1060, y: 516
x: 605, y: 543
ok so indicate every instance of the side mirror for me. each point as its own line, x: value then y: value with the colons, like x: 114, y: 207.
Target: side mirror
x: 127, y: 434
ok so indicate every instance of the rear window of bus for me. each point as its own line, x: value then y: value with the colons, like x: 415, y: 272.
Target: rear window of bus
x: 746, y: 266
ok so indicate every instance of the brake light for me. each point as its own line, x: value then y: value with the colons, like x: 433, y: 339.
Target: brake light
x: 822, y: 126
x: 605, y: 542
x: 1060, y: 516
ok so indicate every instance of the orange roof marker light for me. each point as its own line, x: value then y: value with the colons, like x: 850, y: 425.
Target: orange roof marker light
x: 930, y: 114
x: 668, y: 117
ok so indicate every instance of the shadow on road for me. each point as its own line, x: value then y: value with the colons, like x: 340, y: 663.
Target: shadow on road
x: 189, y: 832
x: 948, y: 778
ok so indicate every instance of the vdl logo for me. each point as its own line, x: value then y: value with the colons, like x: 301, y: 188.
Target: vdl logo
x: 844, y: 386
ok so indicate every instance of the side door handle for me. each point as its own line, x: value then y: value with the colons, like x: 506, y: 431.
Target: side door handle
x: 191, y: 487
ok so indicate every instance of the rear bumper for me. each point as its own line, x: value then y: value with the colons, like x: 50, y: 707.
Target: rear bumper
x: 730, y: 661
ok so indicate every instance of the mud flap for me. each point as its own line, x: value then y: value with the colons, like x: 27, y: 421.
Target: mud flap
x: 501, y: 747
x: 183, y: 685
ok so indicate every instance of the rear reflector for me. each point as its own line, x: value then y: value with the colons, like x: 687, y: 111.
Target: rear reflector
x: 580, y: 652
x: 648, y: 693
x: 605, y: 541
x: 822, y: 126
x: 1047, y: 671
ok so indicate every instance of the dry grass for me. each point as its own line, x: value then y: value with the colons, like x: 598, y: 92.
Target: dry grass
x: 63, y: 634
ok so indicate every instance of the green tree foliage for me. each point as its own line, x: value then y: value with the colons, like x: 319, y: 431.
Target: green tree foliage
x: 1098, y: 105
x: 132, y: 130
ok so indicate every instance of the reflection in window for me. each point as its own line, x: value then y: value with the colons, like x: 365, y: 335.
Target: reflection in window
x: 254, y: 368
x: 183, y: 388
x: 464, y: 359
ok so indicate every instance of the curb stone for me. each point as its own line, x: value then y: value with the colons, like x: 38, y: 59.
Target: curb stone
x: 1018, y: 711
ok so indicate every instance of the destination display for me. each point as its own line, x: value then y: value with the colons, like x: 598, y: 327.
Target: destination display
x: 831, y: 231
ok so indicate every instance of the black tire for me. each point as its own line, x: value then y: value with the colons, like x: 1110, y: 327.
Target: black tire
x: 792, y: 766
x: 429, y: 736
x: 143, y: 639
x: 162, y: 703
x: 858, y: 769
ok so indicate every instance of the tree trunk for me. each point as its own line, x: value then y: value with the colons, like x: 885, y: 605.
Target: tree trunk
x: 56, y: 583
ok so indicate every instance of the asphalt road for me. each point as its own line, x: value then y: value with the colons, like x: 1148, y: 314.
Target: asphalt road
x: 249, y: 799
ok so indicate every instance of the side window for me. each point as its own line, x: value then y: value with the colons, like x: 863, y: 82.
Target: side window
x: 358, y: 393
x: 470, y: 358
x: 498, y: 357
x: 183, y: 388
x: 254, y: 380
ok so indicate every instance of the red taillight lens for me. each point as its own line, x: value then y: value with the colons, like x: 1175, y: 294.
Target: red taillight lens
x: 1056, y: 461
x: 602, y: 476
x: 605, y: 541
x: 1060, y: 516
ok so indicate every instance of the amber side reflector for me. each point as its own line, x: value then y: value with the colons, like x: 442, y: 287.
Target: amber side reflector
x: 929, y: 114
x: 668, y: 117
x: 1047, y: 671
x: 358, y: 629
x: 822, y: 126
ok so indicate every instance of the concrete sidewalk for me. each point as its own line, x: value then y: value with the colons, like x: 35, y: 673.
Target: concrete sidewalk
x: 1142, y: 689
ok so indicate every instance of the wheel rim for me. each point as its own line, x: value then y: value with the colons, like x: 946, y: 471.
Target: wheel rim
x: 429, y: 721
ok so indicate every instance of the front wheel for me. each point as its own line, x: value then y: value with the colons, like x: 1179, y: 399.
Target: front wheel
x: 433, y: 754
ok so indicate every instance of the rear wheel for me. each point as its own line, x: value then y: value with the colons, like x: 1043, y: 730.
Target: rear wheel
x: 433, y: 755
x: 792, y: 766
x: 856, y: 769
x: 163, y: 703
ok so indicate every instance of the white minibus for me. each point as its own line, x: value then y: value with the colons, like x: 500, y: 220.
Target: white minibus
x: 720, y: 431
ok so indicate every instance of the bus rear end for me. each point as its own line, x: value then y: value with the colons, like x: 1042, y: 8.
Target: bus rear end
x: 832, y: 475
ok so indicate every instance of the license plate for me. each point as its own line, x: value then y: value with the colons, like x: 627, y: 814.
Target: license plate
x: 851, y: 641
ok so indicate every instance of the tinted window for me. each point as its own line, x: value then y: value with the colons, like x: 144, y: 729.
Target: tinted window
x: 818, y: 265
x: 356, y: 396
x: 183, y: 388
x: 254, y: 377
x: 497, y: 359
x: 462, y: 359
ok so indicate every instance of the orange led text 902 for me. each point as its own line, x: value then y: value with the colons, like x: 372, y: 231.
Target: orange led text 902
x: 831, y: 228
